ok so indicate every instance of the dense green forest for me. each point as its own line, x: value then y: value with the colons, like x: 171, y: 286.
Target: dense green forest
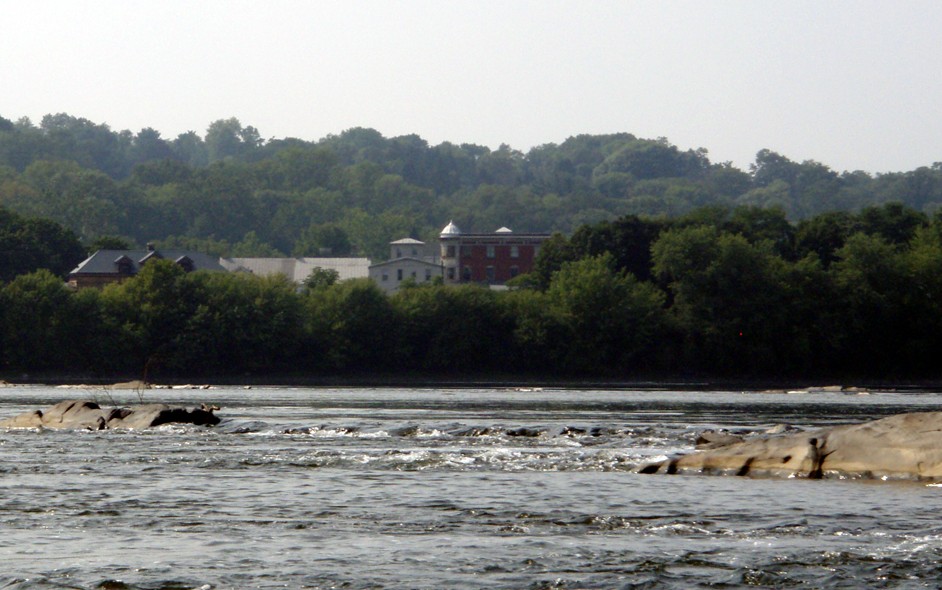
x: 233, y: 192
x: 740, y: 293
x: 29, y: 244
x: 665, y: 264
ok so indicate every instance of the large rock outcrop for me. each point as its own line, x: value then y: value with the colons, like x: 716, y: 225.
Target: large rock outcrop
x: 905, y: 446
x: 86, y: 414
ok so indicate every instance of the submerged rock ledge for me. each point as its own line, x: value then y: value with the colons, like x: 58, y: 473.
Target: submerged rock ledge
x: 88, y: 415
x: 905, y: 446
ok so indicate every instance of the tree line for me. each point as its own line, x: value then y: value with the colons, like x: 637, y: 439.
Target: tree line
x: 28, y: 244
x: 232, y: 192
x: 721, y: 292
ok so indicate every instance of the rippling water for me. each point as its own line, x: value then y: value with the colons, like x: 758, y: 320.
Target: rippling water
x: 447, y: 488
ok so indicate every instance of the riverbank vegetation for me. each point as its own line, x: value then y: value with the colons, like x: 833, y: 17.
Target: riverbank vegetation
x: 665, y: 263
x: 738, y: 293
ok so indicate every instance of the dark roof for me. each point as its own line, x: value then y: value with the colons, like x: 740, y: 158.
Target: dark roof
x: 496, y: 234
x: 495, y: 238
x: 104, y: 262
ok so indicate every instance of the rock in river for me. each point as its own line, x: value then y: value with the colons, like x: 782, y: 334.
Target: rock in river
x: 905, y: 446
x: 86, y: 414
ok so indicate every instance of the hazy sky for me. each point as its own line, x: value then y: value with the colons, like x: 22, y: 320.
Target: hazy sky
x: 853, y: 84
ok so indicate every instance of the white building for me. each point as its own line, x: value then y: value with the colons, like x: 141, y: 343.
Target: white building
x: 298, y: 269
x: 409, y: 260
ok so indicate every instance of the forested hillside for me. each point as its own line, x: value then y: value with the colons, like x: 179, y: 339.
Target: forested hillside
x: 28, y: 244
x: 230, y: 191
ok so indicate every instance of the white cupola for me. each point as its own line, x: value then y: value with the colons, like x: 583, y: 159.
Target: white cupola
x: 450, y: 230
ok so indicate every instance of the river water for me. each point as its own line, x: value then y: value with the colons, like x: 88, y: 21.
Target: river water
x: 447, y: 488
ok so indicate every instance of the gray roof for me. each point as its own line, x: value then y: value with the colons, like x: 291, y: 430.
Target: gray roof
x: 408, y: 242
x: 425, y: 261
x: 298, y: 269
x: 102, y: 262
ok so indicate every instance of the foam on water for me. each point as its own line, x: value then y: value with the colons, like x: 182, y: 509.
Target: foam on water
x: 400, y: 488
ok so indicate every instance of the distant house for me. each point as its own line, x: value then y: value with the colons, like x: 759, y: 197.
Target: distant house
x: 487, y: 258
x: 298, y: 269
x: 113, y: 266
x: 409, y: 260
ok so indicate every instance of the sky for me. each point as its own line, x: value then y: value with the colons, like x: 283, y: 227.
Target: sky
x: 855, y: 85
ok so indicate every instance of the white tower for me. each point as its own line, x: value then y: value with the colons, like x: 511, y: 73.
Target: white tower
x: 450, y: 239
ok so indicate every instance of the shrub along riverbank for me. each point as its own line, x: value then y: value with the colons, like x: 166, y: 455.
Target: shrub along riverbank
x: 718, y: 298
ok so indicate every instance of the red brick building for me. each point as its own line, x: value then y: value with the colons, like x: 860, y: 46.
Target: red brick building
x: 489, y: 258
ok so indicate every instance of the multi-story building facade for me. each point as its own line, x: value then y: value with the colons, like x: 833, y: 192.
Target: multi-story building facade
x: 488, y: 258
x: 485, y: 258
x: 409, y: 260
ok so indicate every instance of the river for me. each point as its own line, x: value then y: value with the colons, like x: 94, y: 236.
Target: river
x: 373, y: 488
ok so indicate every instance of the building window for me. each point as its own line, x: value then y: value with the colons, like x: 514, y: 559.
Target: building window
x: 415, y: 252
x: 413, y: 275
x: 398, y: 253
x: 515, y: 251
x: 385, y: 276
x: 490, y: 251
x: 125, y: 265
x: 451, y: 273
x: 466, y: 250
x: 466, y: 273
x: 490, y: 274
x: 450, y: 252
x: 514, y: 271
x: 185, y: 263
x: 152, y: 255
x: 428, y: 274
x: 398, y: 274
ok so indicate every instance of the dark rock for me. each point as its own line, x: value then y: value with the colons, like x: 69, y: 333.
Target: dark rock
x: 712, y: 439
x: 525, y: 432
x: 88, y: 415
